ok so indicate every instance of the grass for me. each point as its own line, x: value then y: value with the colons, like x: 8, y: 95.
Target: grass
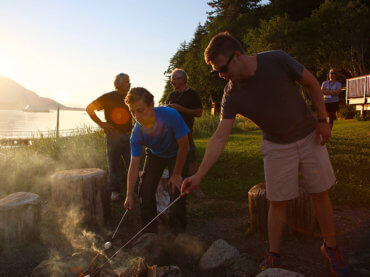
x: 27, y: 168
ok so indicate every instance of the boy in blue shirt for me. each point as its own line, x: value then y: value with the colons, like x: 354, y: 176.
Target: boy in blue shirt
x: 165, y: 135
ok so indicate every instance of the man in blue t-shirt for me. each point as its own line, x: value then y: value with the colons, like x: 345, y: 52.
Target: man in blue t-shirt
x: 165, y: 135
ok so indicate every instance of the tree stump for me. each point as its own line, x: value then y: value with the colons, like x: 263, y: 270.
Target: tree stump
x: 300, y: 213
x: 85, y: 190
x: 20, y: 215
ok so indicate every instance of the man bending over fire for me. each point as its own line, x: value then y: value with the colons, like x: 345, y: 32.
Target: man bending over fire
x: 165, y: 135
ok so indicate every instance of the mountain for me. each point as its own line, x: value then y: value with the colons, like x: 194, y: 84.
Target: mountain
x: 15, y: 97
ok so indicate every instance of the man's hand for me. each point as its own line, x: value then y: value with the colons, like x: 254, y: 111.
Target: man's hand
x: 106, y: 126
x: 323, y: 132
x: 175, y: 182
x: 129, y: 203
x: 191, y: 183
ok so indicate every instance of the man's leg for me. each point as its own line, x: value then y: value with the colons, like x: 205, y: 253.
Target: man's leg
x: 325, y: 216
x: 113, y: 157
x: 276, y: 223
x: 153, y: 168
x: 178, y: 219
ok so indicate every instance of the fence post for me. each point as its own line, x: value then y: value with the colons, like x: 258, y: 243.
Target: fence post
x: 57, y: 131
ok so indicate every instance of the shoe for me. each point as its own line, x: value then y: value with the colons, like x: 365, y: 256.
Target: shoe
x: 337, y: 266
x: 114, y: 196
x: 270, y: 260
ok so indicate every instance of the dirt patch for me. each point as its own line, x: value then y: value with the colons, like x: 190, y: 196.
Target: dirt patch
x: 211, y: 220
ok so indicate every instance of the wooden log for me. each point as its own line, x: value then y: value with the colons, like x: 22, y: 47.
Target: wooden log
x: 20, y: 215
x: 300, y: 213
x: 85, y: 190
x: 258, y: 209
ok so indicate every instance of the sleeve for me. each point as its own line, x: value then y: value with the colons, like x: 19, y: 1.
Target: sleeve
x: 295, y: 69
x: 178, y: 124
x: 227, y: 110
x: 136, y: 141
x: 99, y: 102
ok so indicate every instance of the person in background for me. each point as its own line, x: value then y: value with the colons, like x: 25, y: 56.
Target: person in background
x: 165, y: 135
x: 331, y: 90
x: 117, y: 127
x: 263, y: 88
x: 187, y: 102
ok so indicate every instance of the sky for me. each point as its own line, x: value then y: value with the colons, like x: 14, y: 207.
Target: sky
x: 70, y: 51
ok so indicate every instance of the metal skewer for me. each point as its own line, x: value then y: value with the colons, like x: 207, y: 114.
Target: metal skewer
x: 119, y: 224
x: 109, y: 259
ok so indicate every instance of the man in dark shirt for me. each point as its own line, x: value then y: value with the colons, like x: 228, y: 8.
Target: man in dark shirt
x: 117, y: 128
x: 187, y: 102
x: 263, y: 88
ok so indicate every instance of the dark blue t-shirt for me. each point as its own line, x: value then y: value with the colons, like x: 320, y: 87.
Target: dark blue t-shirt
x: 162, y: 138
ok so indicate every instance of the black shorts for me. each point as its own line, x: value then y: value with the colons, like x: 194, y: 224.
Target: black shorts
x: 332, y: 107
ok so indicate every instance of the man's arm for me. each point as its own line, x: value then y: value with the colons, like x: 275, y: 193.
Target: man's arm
x: 182, y: 152
x: 90, y: 109
x: 311, y: 83
x: 133, y: 174
x: 329, y: 92
x: 192, y: 112
x: 214, y: 149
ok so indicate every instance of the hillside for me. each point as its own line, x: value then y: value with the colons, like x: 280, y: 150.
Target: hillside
x: 15, y: 97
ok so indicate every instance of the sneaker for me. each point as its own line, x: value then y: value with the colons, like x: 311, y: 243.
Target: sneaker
x: 270, y: 260
x: 337, y: 267
x: 114, y: 196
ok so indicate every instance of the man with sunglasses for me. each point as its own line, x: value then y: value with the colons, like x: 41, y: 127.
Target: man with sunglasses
x: 263, y: 88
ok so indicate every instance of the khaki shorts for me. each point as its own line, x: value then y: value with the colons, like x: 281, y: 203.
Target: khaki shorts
x: 283, y: 162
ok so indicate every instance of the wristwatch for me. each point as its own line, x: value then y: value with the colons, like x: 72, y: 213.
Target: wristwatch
x: 326, y: 119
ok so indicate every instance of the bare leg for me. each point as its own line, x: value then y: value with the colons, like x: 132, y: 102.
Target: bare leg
x: 276, y: 222
x: 325, y: 216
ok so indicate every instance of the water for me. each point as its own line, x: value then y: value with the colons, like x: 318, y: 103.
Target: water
x: 15, y: 124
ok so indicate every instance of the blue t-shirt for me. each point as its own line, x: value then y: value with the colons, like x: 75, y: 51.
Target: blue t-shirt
x: 162, y: 138
x: 328, y: 85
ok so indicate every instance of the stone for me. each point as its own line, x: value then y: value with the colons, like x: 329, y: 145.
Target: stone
x: 152, y: 247
x: 278, y: 272
x: 20, y: 216
x: 84, y: 190
x: 243, y: 266
x: 186, y: 251
x: 219, y: 254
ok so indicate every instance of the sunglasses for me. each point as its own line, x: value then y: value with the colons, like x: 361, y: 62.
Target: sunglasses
x: 224, y: 68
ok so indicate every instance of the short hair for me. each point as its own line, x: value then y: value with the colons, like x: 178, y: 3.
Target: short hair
x: 137, y: 94
x: 181, y: 72
x: 223, y: 43
x: 120, y: 80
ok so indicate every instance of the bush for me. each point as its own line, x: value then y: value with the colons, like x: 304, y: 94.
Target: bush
x: 346, y: 111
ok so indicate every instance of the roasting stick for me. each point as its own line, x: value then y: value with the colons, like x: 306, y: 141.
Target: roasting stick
x: 109, y: 259
x: 119, y: 224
